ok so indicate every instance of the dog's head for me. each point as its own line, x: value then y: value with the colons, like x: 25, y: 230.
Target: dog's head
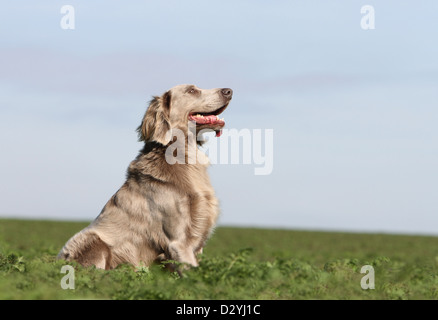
x: 181, y: 104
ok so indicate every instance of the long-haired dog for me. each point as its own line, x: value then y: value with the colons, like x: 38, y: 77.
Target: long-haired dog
x: 164, y: 211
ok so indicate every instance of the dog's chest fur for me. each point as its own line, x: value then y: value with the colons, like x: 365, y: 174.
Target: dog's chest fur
x: 195, y: 202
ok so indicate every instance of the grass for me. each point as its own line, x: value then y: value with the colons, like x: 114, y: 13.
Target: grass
x: 238, y: 263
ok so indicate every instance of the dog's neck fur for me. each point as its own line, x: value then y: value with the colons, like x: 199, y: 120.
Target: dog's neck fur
x: 151, y: 163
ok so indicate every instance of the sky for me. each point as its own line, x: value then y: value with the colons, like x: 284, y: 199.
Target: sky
x: 353, y: 112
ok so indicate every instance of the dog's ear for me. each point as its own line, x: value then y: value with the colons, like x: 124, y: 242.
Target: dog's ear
x: 156, y: 123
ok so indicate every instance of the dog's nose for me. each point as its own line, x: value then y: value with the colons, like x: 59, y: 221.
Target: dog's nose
x: 227, y: 93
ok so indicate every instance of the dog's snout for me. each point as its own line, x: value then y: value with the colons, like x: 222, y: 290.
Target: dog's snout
x: 227, y: 93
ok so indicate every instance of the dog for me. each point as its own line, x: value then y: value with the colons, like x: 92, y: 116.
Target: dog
x: 163, y: 211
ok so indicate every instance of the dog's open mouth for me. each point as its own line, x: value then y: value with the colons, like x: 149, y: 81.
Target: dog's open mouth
x: 210, y: 120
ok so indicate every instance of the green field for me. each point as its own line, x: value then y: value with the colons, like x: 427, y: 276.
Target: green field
x: 237, y: 263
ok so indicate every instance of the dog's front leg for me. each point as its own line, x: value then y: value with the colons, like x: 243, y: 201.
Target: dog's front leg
x: 182, y: 253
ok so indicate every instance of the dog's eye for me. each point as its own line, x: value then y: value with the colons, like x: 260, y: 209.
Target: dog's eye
x: 192, y: 91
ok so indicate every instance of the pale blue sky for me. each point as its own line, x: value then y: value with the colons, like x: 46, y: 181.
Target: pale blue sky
x: 354, y: 112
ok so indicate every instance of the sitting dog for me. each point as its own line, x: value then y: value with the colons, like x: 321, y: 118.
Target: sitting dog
x: 164, y: 211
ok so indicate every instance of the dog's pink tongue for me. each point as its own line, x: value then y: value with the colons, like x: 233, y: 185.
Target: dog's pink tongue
x: 218, y: 133
x: 210, y: 119
x: 205, y: 119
